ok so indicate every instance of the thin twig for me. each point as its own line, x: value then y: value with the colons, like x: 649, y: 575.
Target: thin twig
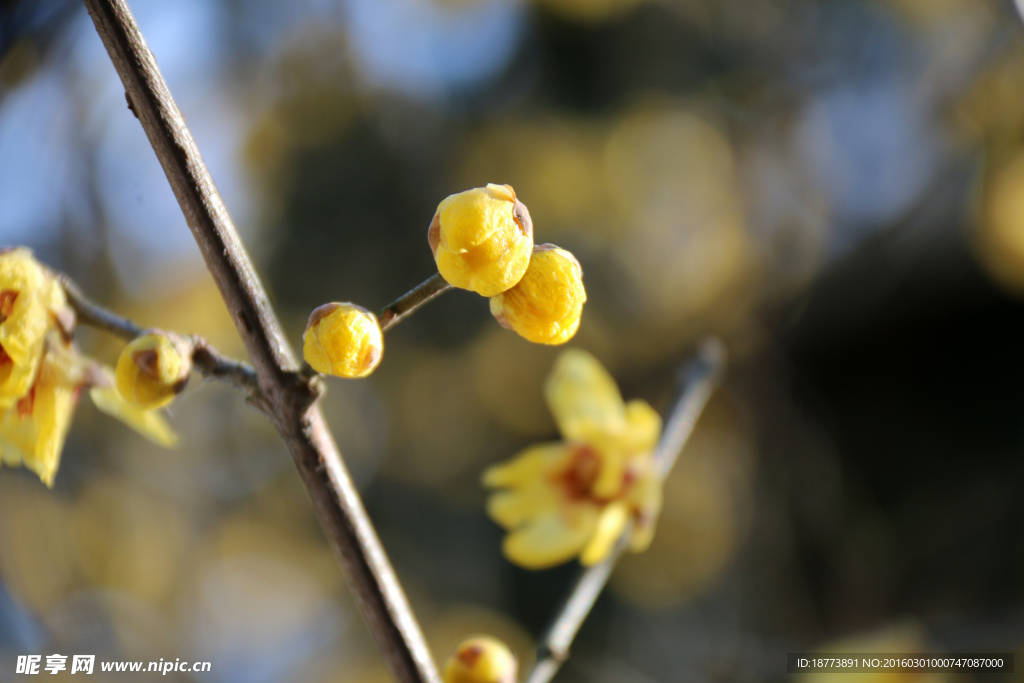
x: 88, y: 312
x: 205, y: 359
x: 402, y: 307
x: 211, y: 363
x: 286, y: 395
x: 698, y: 380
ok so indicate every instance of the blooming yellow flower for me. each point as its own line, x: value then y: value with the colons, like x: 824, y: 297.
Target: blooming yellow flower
x: 545, y: 305
x: 42, y: 374
x: 576, y: 497
x: 343, y: 339
x: 30, y: 301
x: 480, y: 659
x: 32, y: 431
x: 152, y: 369
x: 481, y: 239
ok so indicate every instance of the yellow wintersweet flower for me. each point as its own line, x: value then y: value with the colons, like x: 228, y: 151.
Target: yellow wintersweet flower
x: 30, y: 302
x: 480, y: 659
x: 907, y: 637
x: 576, y: 497
x: 481, y: 239
x: 152, y: 369
x: 545, y: 305
x: 32, y: 431
x: 343, y: 339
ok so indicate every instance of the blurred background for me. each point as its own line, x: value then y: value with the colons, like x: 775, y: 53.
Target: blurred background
x: 834, y: 186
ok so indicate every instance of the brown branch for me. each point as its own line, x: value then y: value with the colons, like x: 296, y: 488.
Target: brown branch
x: 205, y: 359
x: 698, y: 380
x: 287, y: 396
x: 90, y: 313
x: 211, y: 363
x: 404, y: 306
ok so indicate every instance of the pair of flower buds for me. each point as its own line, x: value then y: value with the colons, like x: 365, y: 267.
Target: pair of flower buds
x: 482, y: 240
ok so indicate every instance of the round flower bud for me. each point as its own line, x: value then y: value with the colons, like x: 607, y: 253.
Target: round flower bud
x: 481, y: 239
x: 545, y: 306
x: 480, y: 659
x: 343, y: 340
x: 152, y: 369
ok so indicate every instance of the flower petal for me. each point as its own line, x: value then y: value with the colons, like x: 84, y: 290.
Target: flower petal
x: 608, y: 529
x: 552, y: 539
x: 149, y: 423
x: 514, y: 508
x: 53, y: 410
x: 33, y: 432
x: 646, y: 497
x: 583, y: 397
x: 16, y: 378
x: 643, y: 534
x: 613, y: 467
x: 25, y: 323
x: 643, y: 427
x: 526, y: 467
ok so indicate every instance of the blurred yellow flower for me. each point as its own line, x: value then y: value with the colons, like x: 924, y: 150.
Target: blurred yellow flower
x: 482, y: 239
x: 30, y: 302
x: 152, y: 369
x: 576, y: 497
x: 545, y: 305
x: 1000, y: 237
x: 480, y: 659
x: 687, y: 253
x: 343, y: 340
x: 906, y: 637
x: 32, y: 431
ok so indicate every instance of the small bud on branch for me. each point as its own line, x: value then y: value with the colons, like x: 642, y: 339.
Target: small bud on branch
x: 154, y: 368
x: 343, y: 340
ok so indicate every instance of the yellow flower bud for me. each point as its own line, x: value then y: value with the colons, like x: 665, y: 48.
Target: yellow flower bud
x: 343, y: 339
x: 481, y: 239
x: 152, y: 369
x: 545, y: 306
x: 480, y: 659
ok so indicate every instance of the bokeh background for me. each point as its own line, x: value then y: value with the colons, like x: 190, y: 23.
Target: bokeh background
x: 836, y: 187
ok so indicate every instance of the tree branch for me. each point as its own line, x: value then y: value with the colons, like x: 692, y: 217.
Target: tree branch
x: 404, y: 306
x: 88, y: 312
x: 287, y: 396
x: 205, y: 359
x: 698, y: 380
